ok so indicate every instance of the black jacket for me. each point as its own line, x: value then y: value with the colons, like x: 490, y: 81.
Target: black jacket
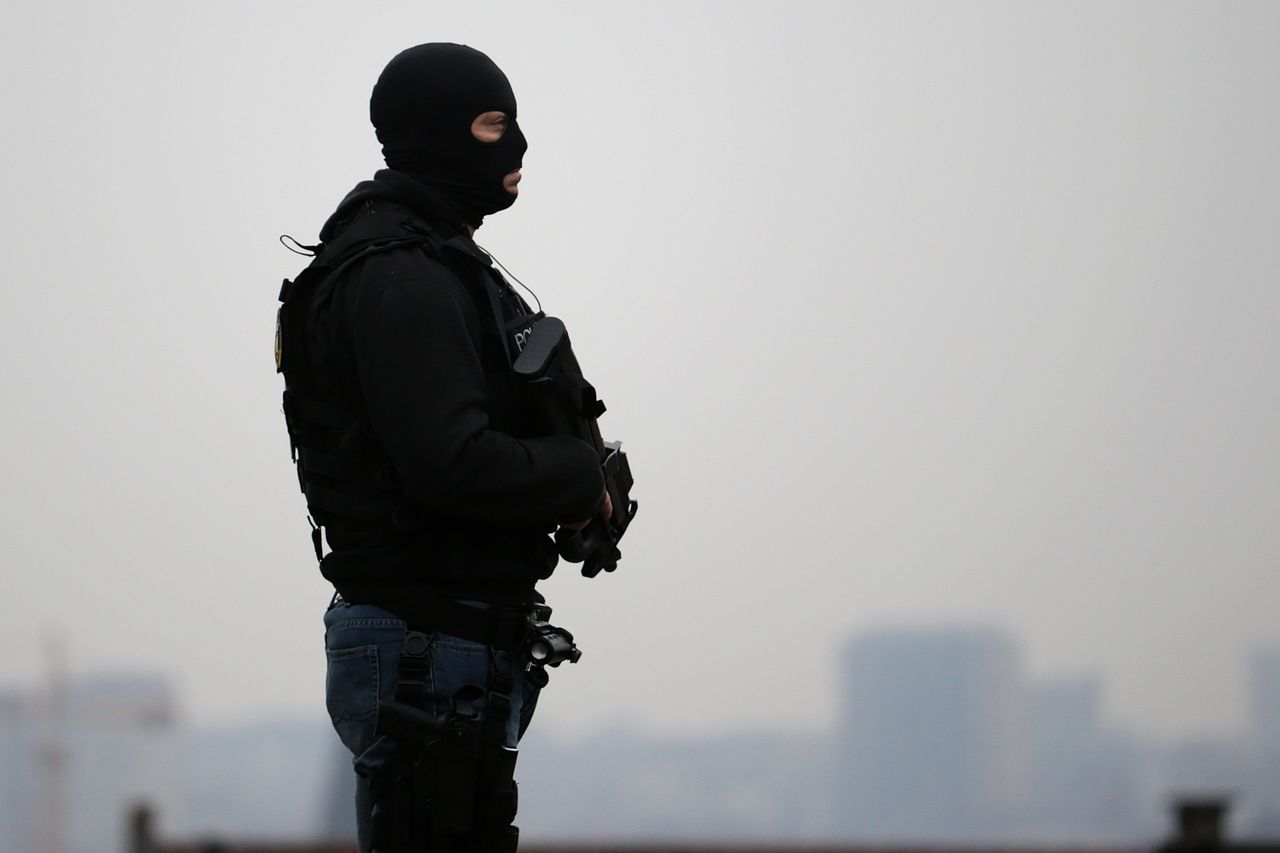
x: 410, y: 342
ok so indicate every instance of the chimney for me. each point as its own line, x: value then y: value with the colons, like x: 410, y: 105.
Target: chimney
x: 141, y: 829
x: 1201, y: 822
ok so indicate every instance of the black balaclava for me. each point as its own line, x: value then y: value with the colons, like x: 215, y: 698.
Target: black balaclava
x: 422, y: 108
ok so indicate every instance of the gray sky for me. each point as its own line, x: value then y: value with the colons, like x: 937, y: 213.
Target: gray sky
x: 923, y: 313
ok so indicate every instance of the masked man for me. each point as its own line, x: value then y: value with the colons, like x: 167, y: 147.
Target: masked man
x: 419, y: 463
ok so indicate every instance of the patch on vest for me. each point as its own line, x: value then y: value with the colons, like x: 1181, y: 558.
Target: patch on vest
x: 521, y: 337
x: 279, y: 342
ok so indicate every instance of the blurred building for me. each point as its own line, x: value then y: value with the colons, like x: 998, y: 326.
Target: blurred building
x: 1086, y: 781
x: 73, y: 759
x: 626, y: 787
x: 17, y: 770
x: 932, y: 735
x: 1262, y: 805
x: 263, y: 779
x: 1264, y: 697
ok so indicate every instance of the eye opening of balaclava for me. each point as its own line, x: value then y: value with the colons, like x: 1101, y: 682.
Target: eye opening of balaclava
x: 422, y: 108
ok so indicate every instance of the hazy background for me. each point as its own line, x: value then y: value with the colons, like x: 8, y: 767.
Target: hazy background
x: 922, y: 314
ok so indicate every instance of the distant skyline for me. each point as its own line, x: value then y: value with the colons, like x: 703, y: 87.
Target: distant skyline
x: 941, y: 736
x: 928, y: 313
x: 1259, y: 668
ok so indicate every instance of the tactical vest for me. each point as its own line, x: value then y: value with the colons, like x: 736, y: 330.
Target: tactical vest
x: 342, y: 469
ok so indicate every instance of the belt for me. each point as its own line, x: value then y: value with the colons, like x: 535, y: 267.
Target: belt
x: 502, y: 627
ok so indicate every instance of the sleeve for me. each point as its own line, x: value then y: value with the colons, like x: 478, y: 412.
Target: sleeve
x: 425, y: 389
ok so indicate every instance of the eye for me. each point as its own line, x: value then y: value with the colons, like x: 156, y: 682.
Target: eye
x: 490, y: 126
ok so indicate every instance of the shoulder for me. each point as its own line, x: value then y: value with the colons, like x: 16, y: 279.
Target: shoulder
x: 392, y: 267
x: 414, y: 270
x: 389, y: 241
x: 406, y: 291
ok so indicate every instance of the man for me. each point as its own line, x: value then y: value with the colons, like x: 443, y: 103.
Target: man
x: 418, y: 456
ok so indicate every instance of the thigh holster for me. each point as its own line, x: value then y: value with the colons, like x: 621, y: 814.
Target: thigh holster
x: 496, y: 797
x: 452, y: 788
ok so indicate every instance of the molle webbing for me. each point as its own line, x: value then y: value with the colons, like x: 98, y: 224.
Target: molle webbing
x: 338, y: 470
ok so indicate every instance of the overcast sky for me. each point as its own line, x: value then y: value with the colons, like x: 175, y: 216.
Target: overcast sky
x: 948, y: 313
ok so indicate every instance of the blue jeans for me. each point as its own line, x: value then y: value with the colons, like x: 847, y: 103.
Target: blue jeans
x: 362, y: 645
